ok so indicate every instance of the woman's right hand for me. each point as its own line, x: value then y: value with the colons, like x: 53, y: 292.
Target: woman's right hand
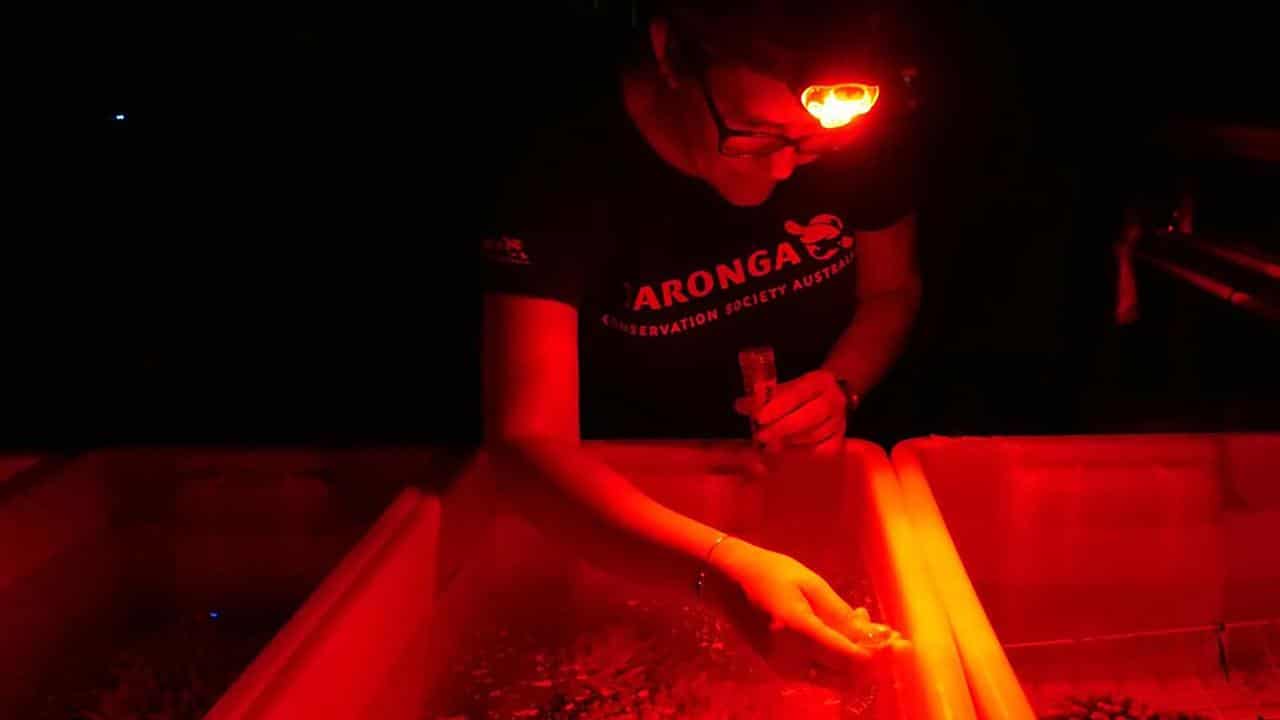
x: 792, y: 616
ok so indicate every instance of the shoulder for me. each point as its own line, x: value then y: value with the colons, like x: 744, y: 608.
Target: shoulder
x: 880, y: 178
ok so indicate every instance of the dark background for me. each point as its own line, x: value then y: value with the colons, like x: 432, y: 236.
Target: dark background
x: 276, y: 245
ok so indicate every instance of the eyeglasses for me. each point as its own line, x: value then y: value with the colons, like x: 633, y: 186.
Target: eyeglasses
x: 833, y: 106
x: 737, y: 143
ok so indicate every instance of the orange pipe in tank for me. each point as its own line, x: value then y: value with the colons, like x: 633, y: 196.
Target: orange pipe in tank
x: 935, y: 676
x: 996, y: 691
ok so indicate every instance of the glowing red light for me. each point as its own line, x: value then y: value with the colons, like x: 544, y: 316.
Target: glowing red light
x: 837, y: 105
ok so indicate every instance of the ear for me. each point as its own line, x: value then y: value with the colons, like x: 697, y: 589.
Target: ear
x: 663, y: 50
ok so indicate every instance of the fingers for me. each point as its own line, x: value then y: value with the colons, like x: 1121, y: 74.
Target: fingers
x: 832, y: 447
x: 828, y: 429
x: 832, y: 609
x: 807, y: 618
x: 805, y: 412
x: 834, y: 650
x: 807, y: 418
x: 853, y: 623
x: 789, y: 396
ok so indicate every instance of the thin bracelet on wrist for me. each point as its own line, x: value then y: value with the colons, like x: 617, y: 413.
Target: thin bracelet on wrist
x: 701, y: 580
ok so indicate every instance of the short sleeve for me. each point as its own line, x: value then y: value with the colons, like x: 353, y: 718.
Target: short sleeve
x: 884, y: 176
x: 547, y: 233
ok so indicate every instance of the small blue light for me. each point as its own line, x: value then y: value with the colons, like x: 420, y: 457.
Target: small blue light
x: 120, y: 116
x: 213, y: 614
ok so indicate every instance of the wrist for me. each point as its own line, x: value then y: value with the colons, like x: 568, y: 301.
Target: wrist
x: 730, y: 555
x: 720, y: 578
x: 852, y: 395
x: 852, y: 399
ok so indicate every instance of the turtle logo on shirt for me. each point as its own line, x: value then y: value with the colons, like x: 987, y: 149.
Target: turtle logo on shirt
x: 823, y: 236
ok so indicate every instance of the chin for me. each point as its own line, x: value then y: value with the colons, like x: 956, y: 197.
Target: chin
x: 746, y: 195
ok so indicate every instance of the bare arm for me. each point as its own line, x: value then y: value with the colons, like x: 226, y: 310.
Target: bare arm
x: 532, y: 433
x: 888, y: 299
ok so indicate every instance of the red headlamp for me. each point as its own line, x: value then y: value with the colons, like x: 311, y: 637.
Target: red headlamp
x: 837, y: 105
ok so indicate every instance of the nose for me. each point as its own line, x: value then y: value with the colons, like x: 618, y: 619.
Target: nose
x: 782, y: 163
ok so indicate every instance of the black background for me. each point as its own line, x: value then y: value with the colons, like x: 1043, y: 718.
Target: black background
x: 274, y: 247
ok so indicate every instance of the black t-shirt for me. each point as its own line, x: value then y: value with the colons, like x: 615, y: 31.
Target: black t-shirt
x: 670, y: 280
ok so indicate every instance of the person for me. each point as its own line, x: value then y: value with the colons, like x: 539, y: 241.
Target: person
x: 698, y: 208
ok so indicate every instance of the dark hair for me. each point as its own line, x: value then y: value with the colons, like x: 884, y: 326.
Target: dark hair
x: 780, y: 36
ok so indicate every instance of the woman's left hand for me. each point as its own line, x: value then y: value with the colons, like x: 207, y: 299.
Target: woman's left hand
x: 808, y: 412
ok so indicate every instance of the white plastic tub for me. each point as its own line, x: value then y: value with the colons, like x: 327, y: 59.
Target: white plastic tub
x: 492, y: 566
x: 102, y: 548
x: 1145, y: 566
